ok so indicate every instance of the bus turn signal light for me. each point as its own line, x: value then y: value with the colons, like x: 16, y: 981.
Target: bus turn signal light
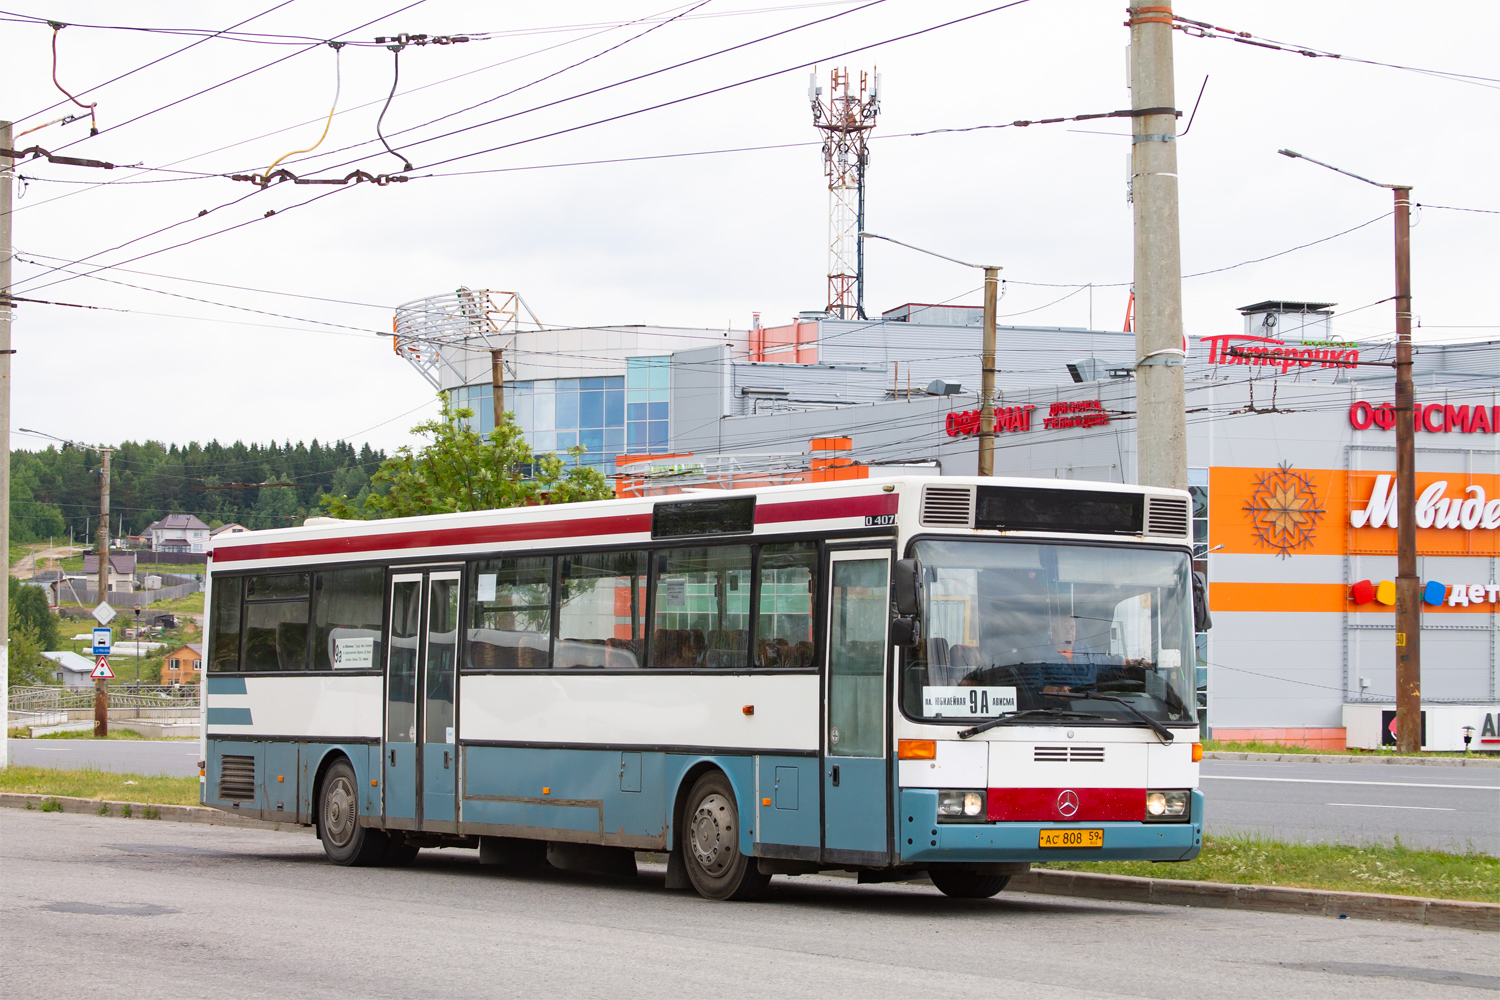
x: 748, y: 710
x: 916, y: 749
x: 1197, y: 752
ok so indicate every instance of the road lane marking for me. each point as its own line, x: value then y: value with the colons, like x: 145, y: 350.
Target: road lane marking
x: 1373, y: 805
x: 1331, y: 781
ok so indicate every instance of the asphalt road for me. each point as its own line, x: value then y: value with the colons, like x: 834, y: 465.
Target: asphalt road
x: 120, y: 908
x: 1449, y: 808
x: 172, y: 758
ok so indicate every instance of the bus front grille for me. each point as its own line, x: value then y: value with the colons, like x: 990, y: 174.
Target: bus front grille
x: 1166, y: 516
x: 948, y: 506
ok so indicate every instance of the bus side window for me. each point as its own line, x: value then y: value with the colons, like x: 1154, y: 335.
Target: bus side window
x: 702, y: 613
x: 346, y: 618
x: 600, y: 609
x: 224, y: 643
x: 510, y: 614
x: 784, y: 623
x: 275, y: 622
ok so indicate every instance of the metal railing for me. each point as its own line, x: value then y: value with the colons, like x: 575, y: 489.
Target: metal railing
x: 43, y: 699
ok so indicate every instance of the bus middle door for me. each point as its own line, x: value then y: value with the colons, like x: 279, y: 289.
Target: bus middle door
x: 856, y: 783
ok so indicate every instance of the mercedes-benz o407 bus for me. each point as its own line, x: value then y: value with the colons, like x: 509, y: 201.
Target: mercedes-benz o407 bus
x: 956, y: 676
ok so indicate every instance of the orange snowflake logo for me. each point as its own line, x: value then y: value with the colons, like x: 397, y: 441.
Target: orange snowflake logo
x: 1284, y: 510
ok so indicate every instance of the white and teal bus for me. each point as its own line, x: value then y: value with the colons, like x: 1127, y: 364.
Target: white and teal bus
x: 951, y: 676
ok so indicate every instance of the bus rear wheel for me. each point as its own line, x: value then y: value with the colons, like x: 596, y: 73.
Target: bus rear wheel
x: 344, y: 840
x: 711, y: 843
x: 961, y: 884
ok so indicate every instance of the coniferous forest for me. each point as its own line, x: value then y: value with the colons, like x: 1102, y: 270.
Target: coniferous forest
x: 54, y: 490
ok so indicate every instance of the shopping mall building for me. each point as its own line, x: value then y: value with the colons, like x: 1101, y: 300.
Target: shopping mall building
x: 1290, y: 445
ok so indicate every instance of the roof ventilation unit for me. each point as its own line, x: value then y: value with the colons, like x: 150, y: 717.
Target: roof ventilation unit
x: 1167, y: 516
x: 948, y: 506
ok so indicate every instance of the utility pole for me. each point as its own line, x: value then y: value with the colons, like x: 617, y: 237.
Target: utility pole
x: 1408, y: 611
x: 101, y: 686
x: 497, y: 383
x: 987, y: 377
x: 5, y: 355
x: 1408, y: 588
x: 1161, y: 418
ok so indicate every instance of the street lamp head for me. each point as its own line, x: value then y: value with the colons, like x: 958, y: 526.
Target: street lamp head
x: 1288, y: 152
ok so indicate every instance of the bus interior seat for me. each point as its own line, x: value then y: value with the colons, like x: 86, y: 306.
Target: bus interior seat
x: 291, y: 645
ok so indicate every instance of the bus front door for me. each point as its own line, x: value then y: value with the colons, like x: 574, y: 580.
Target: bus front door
x: 420, y: 680
x: 856, y: 814
x: 404, y: 654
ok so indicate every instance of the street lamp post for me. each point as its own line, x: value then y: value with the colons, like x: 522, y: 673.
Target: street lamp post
x: 1408, y: 610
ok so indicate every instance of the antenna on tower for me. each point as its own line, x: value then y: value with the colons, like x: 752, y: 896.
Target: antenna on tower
x: 845, y: 118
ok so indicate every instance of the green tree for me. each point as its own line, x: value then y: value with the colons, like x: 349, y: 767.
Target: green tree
x: 277, y: 507
x: 460, y: 469
x: 27, y: 664
x: 29, y: 610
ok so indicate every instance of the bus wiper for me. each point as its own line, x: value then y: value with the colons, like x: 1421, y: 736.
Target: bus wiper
x: 1162, y: 732
x: 1049, y: 713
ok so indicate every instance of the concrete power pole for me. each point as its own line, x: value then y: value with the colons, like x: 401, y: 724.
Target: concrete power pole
x: 987, y: 376
x: 5, y: 189
x: 1161, y: 422
x: 101, y: 686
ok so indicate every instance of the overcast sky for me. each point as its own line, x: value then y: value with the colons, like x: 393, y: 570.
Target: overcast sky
x: 695, y: 240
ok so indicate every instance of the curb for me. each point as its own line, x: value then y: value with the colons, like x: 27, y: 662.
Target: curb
x: 1268, y: 898
x: 138, y: 810
x: 1324, y: 758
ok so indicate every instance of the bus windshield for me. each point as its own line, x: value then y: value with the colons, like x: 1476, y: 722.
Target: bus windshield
x: 1020, y: 627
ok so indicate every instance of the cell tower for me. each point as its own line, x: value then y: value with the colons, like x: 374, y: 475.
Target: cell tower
x: 845, y: 119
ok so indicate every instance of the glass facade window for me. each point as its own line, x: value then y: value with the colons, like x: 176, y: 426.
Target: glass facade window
x: 1198, y: 487
x: 560, y: 414
x: 647, y: 389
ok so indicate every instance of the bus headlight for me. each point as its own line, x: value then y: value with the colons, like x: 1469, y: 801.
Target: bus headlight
x: 960, y: 806
x: 1167, y: 805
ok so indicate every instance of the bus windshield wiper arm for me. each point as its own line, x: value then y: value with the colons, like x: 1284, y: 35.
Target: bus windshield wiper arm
x: 1162, y: 732
x: 1050, y: 713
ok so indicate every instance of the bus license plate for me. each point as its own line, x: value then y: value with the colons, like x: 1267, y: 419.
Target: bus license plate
x: 1071, y: 838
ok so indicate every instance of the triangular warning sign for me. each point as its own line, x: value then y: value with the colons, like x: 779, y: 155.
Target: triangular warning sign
x: 101, y: 670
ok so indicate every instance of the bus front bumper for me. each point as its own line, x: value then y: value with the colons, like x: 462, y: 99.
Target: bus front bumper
x: 923, y: 839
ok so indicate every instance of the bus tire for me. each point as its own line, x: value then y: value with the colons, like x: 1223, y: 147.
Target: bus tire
x: 961, y: 884
x: 344, y: 840
x: 711, y: 843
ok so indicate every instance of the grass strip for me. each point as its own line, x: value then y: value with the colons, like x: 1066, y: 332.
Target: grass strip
x: 1264, y: 746
x: 1394, y: 869
x: 92, y: 784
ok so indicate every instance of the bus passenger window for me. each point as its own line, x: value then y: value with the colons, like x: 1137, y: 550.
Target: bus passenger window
x: 601, y: 600
x: 346, y: 618
x: 224, y: 643
x: 510, y: 614
x: 702, y: 613
x: 276, y: 622
x: 784, y: 625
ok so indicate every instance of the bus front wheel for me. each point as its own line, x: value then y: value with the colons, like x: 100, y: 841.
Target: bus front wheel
x: 963, y: 884
x: 711, y: 843
x: 344, y: 840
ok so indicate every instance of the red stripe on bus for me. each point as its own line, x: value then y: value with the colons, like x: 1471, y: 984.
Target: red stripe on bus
x: 620, y: 524
x: 1041, y: 805
x: 818, y: 510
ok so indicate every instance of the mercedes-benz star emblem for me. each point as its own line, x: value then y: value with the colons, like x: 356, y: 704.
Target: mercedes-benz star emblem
x: 1067, y: 803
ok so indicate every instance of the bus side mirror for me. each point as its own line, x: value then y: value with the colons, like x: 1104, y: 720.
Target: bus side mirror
x: 907, y: 585
x: 903, y: 632
x: 1202, y: 619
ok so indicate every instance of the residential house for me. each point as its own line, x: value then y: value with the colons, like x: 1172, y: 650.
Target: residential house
x: 73, y: 671
x: 178, y: 533
x: 121, y: 571
x: 183, y: 665
x: 225, y: 530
